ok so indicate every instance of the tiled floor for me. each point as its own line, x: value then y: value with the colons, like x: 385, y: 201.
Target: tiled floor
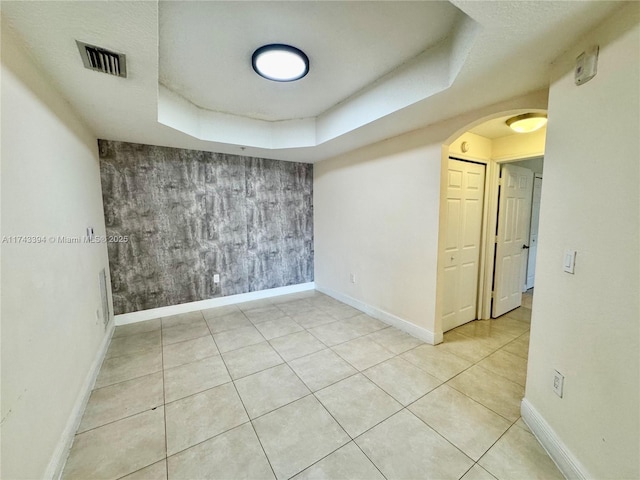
x: 304, y: 386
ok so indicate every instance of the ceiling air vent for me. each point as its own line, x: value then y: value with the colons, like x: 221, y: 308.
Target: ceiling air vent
x: 102, y: 60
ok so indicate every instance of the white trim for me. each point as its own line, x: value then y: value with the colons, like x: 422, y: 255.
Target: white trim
x: 566, y: 461
x: 142, y: 315
x: 388, y: 318
x: 60, y: 454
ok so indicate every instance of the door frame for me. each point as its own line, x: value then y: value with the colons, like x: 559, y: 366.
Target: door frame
x: 489, y: 166
x: 481, y: 247
x: 490, y: 209
x: 492, y: 223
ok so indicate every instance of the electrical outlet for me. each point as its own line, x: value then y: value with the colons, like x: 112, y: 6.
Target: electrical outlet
x: 352, y: 277
x: 558, y: 383
x: 216, y: 278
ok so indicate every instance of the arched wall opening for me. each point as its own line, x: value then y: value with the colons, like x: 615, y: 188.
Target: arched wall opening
x: 487, y: 143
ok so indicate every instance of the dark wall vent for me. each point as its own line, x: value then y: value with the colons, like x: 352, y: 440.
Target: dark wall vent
x: 102, y: 60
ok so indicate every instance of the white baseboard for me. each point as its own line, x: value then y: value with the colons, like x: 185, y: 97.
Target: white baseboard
x: 566, y: 462
x: 142, y: 315
x: 386, y: 317
x: 59, y: 457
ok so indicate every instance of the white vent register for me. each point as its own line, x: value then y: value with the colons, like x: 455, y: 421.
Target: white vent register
x: 103, y: 60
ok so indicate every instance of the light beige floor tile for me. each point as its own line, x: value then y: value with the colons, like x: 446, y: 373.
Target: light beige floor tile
x: 493, y: 391
x: 138, y: 327
x: 236, y: 455
x: 255, y: 304
x: 341, y: 311
x: 264, y: 314
x: 251, y: 359
x: 395, y: 340
x: 298, y: 435
x: 362, y: 353
x: 334, y: 333
x: 157, y: 471
x: 521, y: 423
x: 402, y: 380
x: 198, y: 376
x: 265, y: 391
x: 519, y: 347
x: 132, y: 344
x: 523, y: 314
x: 403, y: 447
x: 122, y: 400
x: 201, y: 416
x: 364, y: 324
x: 296, y: 345
x: 436, y: 362
x: 324, y: 303
x: 519, y: 455
x: 296, y: 307
x: 119, y: 448
x: 219, y: 311
x: 465, y: 423
x: 180, y: 333
x: 188, y: 351
x: 119, y: 369
x: 346, y: 463
x: 357, y: 404
x: 224, y: 323
x: 465, y: 347
x: 510, y: 325
x: 278, y: 328
x: 483, y: 332
x: 322, y: 369
x: 478, y: 473
x: 506, y: 365
x: 188, y: 318
x: 237, y: 338
x: 312, y: 318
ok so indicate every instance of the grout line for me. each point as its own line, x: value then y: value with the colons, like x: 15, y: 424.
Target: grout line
x: 243, y: 406
x: 326, y: 310
x: 164, y: 407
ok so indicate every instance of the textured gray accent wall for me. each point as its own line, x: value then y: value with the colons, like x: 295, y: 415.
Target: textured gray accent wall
x: 189, y: 214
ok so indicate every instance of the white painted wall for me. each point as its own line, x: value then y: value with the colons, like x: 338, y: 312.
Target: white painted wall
x: 376, y: 214
x: 478, y: 147
x: 50, y: 293
x: 519, y: 145
x: 587, y: 325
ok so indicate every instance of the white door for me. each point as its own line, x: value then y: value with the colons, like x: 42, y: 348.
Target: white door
x: 514, y: 211
x: 533, y: 233
x: 465, y: 196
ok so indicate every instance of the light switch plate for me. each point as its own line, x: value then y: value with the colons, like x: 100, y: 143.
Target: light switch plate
x: 569, y: 261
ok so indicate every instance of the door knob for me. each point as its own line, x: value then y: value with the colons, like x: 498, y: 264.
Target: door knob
x: 525, y: 247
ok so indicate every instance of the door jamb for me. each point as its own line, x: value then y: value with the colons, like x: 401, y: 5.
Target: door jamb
x: 484, y: 292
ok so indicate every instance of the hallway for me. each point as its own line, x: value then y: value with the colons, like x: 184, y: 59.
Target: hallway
x: 304, y: 386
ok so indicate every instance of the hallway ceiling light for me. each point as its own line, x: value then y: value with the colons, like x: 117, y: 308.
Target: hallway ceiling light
x: 280, y: 63
x: 527, y: 122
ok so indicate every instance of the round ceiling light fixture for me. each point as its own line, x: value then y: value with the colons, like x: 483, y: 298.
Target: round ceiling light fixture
x: 280, y: 63
x: 527, y: 122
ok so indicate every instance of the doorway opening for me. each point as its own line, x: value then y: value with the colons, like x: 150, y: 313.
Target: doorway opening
x: 501, y: 278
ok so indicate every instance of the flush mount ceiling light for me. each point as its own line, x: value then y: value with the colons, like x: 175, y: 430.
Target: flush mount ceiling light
x: 280, y: 63
x: 527, y: 122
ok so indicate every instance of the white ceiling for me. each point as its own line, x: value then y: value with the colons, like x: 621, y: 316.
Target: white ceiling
x: 495, y: 128
x: 349, y: 45
x: 491, y: 51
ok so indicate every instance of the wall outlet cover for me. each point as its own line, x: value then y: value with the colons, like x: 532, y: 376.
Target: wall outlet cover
x: 558, y: 383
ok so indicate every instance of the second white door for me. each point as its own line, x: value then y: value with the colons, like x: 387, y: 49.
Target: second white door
x: 514, y: 211
x: 465, y: 198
